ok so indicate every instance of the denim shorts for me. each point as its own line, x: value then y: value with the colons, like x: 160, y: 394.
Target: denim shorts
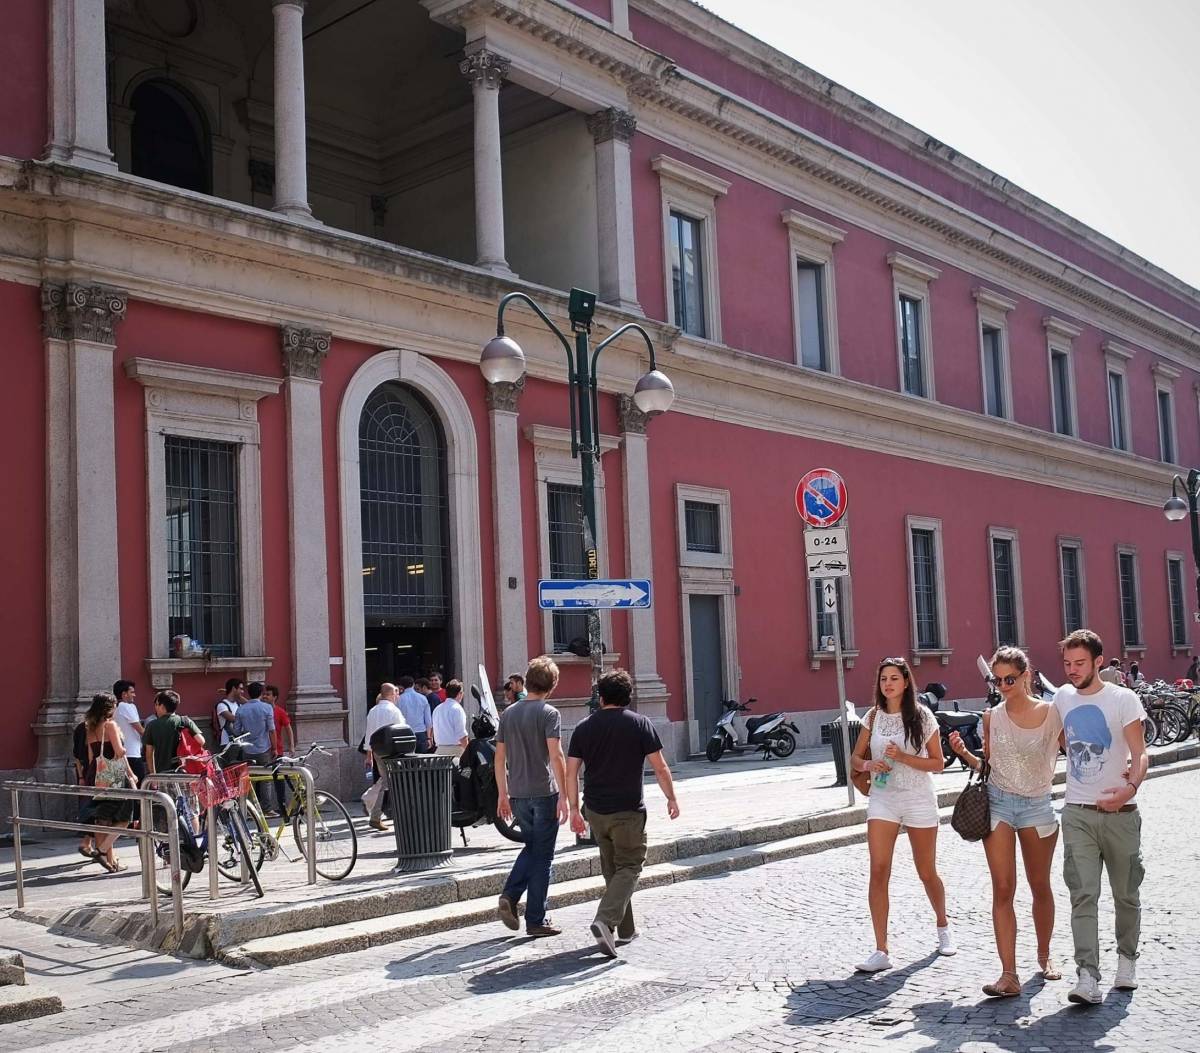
x: 1021, y: 812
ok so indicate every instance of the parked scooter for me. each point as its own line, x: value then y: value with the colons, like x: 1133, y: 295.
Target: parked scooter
x: 948, y: 721
x: 773, y: 734
x: 473, y: 783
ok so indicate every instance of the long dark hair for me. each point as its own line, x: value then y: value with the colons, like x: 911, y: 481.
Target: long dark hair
x: 914, y: 729
x: 102, y: 708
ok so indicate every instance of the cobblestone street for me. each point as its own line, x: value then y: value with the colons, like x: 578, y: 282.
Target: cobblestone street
x: 757, y: 960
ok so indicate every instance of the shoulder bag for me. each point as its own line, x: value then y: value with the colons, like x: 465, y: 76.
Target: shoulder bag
x: 862, y: 779
x: 972, y: 817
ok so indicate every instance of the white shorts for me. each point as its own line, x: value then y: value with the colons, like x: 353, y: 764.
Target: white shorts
x: 915, y: 808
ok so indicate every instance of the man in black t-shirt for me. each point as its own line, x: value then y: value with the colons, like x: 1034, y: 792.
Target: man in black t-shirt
x: 613, y: 744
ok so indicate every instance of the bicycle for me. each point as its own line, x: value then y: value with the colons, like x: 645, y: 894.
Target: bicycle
x: 219, y: 790
x: 336, y: 839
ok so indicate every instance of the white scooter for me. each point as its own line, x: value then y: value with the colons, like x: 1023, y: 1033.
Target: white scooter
x: 773, y: 734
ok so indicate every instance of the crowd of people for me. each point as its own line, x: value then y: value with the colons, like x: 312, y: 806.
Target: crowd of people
x: 1097, y: 722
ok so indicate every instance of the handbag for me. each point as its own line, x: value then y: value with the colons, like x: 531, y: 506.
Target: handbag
x: 110, y: 774
x: 862, y: 779
x: 972, y: 817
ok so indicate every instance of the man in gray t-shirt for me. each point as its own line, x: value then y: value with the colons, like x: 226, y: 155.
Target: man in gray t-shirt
x: 530, y: 772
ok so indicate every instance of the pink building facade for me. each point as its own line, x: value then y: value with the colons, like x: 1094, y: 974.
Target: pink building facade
x: 244, y: 301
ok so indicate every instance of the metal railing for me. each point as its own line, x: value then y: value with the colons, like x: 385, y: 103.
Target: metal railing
x: 144, y: 836
x: 310, y: 793
x: 183, y: 778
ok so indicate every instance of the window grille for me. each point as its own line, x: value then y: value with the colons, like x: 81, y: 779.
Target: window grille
x: 910, y: 344
x: 925, y: 590
x: 702, y: 522
x: 1006, y: 597
x: 1179, y: 632
x: 1130, y: 620
x: 568, y: 558
x: 1072, y: 588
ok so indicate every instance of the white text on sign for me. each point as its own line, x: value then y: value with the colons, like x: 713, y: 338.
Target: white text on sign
x: 829, y: 541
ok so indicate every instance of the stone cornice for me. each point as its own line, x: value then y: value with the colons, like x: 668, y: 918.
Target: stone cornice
x: 1060, y: 327
x: 611, y: 124
x: 809, y: 227
x: 669, y: 168
x: 246, y: 387
x: 906, y: 265
x: 1116, y: 354
x: 991, y: 298
x: 549, y: 437
x: 82, y: 311
x: 1165, y: 372
x: 303, y: 350
x: 505, y: 397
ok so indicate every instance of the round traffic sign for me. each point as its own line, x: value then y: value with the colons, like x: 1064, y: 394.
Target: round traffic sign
x: 821, y: 497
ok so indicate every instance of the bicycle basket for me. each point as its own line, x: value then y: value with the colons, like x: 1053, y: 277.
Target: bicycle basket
x: 224, y: 784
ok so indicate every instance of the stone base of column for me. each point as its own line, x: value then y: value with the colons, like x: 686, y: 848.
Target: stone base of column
x: 624, y: 304
x: 318, y: 715
x: 650, y: 697
x: 296, y: 210
x: 499, y: 268
x: 82, y: 158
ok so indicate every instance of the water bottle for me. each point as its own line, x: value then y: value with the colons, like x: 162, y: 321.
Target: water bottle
x: 881, y: 778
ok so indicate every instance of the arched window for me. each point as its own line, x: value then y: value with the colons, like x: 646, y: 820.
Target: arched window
x: 170, y: 138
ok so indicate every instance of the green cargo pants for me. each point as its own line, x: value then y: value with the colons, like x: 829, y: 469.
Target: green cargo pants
x: 622, y: 840
x: 1112, y: 840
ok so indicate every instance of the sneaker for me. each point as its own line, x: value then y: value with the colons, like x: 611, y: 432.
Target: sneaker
x: 878, y: 961
x: 946, y: 941
x: 622, y: 940
x: 604, y: 938
x: 546, y: 928
x: 377, y: 824
x: 507, y: 912
x: 1126, y: 979
x: 1086, y: 990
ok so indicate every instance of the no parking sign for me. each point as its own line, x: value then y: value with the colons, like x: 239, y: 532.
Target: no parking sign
x: 821, y: 497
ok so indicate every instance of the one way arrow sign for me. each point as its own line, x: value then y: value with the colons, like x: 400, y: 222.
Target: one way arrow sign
x: 565, y: 594
x: 829, y: 597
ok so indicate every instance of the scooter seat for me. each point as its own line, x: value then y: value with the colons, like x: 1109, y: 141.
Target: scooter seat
x: 957, y: 720
x: 757, y: 722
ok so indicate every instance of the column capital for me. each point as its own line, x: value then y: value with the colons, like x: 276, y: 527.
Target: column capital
x: 304, y: 350
x: 505, y: 396
x: 611, y: 124
x: 74, y: 311
x: 289, y: 3
x: 632, y: 420
x: 485, y: 68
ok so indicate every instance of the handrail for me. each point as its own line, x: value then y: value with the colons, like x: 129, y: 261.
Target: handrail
x: 310, y: 824
x: 214, y: 890
x: 145, y: 834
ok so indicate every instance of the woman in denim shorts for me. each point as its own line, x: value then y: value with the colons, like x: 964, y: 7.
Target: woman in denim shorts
x: 1021, y: 742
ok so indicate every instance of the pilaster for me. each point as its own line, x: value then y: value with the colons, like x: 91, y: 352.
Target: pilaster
x: 613, y: 130
x: 503, y: 401
x: 78, y: 90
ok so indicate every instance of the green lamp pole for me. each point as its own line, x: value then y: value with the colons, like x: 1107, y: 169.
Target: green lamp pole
x: 1176, y: 509
x: 503, y: 361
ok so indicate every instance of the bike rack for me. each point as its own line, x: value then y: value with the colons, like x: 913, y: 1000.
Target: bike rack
x: 146, y: 833
x: 180, y: 777
x: 310, y: 792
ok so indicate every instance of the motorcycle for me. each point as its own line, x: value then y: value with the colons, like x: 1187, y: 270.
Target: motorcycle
x: 474, y: 796
x: 772, y: 734
x: 949, y: 721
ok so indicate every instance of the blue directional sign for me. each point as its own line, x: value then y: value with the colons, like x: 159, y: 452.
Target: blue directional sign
x: 568, y: 594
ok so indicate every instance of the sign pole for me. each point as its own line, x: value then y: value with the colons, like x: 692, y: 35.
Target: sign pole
x: 843, y: 720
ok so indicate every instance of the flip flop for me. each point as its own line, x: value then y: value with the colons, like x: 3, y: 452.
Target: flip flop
x: 996, y: 991
x: 1049, y: 970
x: 87, y: 853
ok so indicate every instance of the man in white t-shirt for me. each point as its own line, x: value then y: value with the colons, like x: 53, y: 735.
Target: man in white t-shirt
x: 450, y: 723
x: 1102, y: 828
x: 383, y: 714
x: 131, y: 726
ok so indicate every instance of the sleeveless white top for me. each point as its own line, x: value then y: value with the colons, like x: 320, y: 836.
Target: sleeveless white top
x: 1023, y: 759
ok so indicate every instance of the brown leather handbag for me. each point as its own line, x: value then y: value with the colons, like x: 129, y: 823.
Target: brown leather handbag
x: 862, y: 779
x: 972, y: 817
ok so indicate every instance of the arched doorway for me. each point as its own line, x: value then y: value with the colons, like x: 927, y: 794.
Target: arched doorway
x: 407, y: 609
x: 170, y: 140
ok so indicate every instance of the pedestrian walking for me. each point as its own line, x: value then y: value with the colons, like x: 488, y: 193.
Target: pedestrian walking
x: 415, y: 707
x: 530, y: 773
x: 901, y: 740
x: 108, y: 768
x: 612, y: 747
x: 1102, y: 827
x: 86, y: 810
x: 1020, y: 743
x: 283, y: 741
x: 1113, y: 673
x: 256, y: 718
x: 450, y: 723
x: 383, y: 714
x: 225, y: 714
x: 131, y: 725
x: 161, y: 741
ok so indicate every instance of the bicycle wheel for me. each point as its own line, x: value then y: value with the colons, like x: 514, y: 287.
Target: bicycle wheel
x: 336, y: 841
x: 1177, y: 723
x: 1169, y: 721
x: 162, y: 861
x: 241, y: 838
x: 260, y: 832
x: 228, y: 862
x: 1149, y: 729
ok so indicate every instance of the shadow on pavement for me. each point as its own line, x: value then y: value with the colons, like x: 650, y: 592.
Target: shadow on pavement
x: 859, y: 994
x: 556, y: 970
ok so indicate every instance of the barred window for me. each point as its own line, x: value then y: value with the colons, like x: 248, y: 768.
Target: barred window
x: 203, y: 558
x: 1072, y: 587
x: 1179, y: 627
x: 703, y: 526
x: 925, y: 590
x: 1131, y: 622
x: 912, y: 353
x: 1006, y: 592
x: 568, y: 558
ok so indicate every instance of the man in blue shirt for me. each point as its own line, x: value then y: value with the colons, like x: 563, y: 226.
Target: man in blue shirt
x: 415, y: 707
x: 256, y: 718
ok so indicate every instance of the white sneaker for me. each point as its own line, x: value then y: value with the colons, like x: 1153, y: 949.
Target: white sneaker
x: 1086, y: 990
x: 1126, y: 974
x: 622, y: 940
x: 603, y: 936
x: 946, y: 941
x: 876, y: 963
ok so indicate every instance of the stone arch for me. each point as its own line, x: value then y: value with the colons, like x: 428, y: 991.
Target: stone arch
x: 462, y: 486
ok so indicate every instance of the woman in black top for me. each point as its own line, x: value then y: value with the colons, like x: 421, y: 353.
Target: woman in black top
x: 104, y: 739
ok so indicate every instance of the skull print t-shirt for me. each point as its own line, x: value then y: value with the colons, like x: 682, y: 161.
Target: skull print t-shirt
x: 1094, y: 725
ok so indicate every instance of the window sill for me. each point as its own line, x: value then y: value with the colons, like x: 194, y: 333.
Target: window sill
x: 611, y: 659
x: 943, y: 655
x: 164, y: 670
x: 815, y: 658
x: 1181, y: 649
x: 1136, y: 649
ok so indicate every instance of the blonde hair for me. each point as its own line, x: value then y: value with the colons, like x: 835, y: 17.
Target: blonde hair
x: 542, y: 675
x: 1013, y: 656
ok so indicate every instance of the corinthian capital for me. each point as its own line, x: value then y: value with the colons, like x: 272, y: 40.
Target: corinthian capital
x: 486, y: 68
x: 505, y: 396
x: 612, y: 124
x: 629, y: 417
x: 303, y: 351
x: 71, y: 311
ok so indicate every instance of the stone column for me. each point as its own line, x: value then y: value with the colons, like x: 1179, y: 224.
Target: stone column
x: 291, y: 147
x: 486, y: 72
x: 612, y: 131
x: 650, y: 693
x: 318, y: 711
x: 511, y: 586
x: 78, y: 86
x: 83, y: 602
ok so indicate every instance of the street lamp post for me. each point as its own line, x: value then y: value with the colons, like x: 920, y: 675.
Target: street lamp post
x: 1176, y: 509
x: 503, y: 360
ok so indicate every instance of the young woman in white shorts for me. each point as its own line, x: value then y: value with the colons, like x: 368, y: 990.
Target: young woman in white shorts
x: 899, y: 746
x: 1020, y: 741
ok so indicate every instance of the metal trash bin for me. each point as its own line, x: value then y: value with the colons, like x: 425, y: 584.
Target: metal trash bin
x: 420, y: 803
x: 834, y: 730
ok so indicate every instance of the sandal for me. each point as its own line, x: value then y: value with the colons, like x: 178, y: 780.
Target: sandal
x: 1049, y: 970
x: 1002, y: 990
x: 113, y: 866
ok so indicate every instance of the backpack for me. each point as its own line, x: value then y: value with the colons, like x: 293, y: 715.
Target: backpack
x: 217, y: 726
x: 187, y: 747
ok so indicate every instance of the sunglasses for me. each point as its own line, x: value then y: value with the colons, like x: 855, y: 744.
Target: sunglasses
x: 1008, y: 681
x: 899, y: 663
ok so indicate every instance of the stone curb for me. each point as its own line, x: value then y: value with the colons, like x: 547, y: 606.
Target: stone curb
x: 22, y: 1003
x: 290, y: 948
